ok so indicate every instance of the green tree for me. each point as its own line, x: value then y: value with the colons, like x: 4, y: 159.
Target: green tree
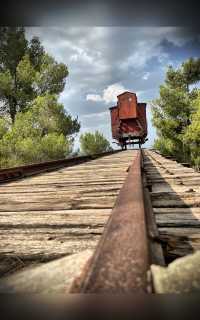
x: 26, y: 71
x: 36, y: 53
x: 13, y: 46
x: 4, y: 127
x: 94, y: 143
x: 191, y: 71
x: 44, y: 132
x: 173, y: 110
x: 192, y: 134
x: 34, y: 126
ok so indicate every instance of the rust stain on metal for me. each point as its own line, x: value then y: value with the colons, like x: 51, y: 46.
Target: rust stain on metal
x: 121, y: 260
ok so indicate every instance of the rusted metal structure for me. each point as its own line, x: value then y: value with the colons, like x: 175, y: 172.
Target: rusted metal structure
x: 125, y: 251
x: 128, y: 120
x: 103, y: 241
x: 118, y: 266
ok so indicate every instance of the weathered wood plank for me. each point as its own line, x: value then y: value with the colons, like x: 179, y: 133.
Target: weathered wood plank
x: 58, y: 213
x: 58, y: 185
x: 56, y: 218
x: 178, y: 220
x: 189, y: 210
x: 59, y: 204
x: 176, y: 204
x: 179, y: 242
x: 54, y: 189
x: 68, y: 213
x: 61, y: 194
x: 72, y: 181
x: 179, y: 203
x: 171, y: 187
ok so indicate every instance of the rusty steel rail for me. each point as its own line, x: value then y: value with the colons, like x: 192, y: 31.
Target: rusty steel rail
x: 122, y: 258
x: 35, y: 168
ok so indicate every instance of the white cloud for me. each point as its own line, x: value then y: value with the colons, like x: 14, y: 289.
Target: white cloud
x: 146, y: 76
x: 96, y: 115
x: 66, y: 94
x: 74, y: 57
x: 142, y: 53
x: 94, y: 97
x: 109, y: 94
x: 106, y: 61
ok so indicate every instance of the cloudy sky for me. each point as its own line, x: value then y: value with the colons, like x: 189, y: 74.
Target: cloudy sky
x: 105, y: 61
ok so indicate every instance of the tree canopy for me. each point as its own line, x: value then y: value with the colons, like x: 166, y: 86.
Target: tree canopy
x: 44, y: 132
x: 26, y: 71
x: 93, y: 143
x: 176, y: 113
x: 34, y: 126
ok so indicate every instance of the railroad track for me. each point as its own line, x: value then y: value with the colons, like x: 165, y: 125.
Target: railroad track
x: 97, y: 224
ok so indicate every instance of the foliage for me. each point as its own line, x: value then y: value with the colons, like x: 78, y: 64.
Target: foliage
x: 13, y: 46
x: 165, y: 146
x: 175, y: 113
x: 48, y: 116
x: 34, y: 127
x: 191, y: 71
x: 192, y: 134
x: 51, y: 78
x: 38, y: 134
x: 4, y: 126
x: 26, y: 71
x: 94, y: 143
x: 36, y: 53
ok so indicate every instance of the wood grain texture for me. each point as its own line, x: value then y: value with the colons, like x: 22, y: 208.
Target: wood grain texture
x: 176, y: 204
x: 58, y: 213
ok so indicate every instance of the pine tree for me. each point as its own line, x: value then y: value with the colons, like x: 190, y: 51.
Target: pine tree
x: 34, y: 126
x: 173, y: 110
x: 26, y: 71
x: 44, y: 132
x: 93, y: 143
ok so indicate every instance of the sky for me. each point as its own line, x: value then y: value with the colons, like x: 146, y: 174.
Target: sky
x: 106, y: 61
